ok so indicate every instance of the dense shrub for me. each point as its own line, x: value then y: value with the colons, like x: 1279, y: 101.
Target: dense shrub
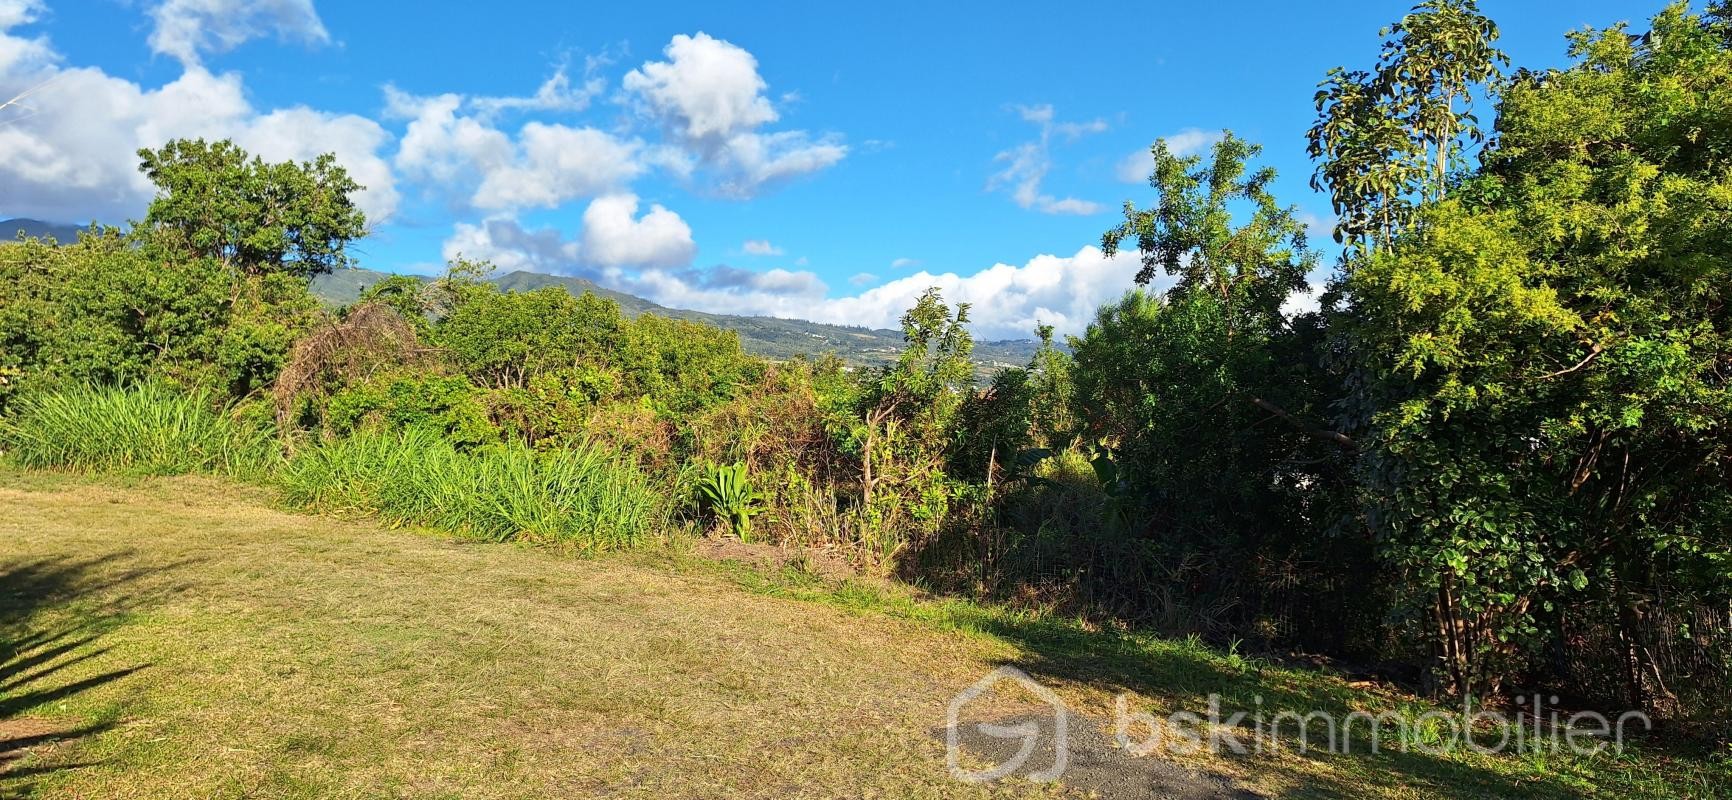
x: 580, y: 496
x: 148, y: 429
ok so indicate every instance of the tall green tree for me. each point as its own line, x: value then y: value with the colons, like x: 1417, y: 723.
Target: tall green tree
x: 1544, y: 359
x: 215, y: 202
x: 1386, y: 139
x: 1205, y: 397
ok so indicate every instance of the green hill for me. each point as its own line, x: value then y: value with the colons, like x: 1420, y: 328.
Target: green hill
x: 64, y: 234
x: 771, y: 337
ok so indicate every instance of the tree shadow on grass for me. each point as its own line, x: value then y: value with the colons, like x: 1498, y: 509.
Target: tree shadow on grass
x: 1186, y: 676
x: 54, y: 613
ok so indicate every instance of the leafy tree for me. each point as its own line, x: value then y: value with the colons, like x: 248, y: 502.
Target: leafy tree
x: 1543, y: 360
x: 1196, y: 400
x: 244, y: 213
x: 1190, y: 233
x: 503, y: 339
x: 904, y: 419
x: 1386, y: 139
x: 113, y: 309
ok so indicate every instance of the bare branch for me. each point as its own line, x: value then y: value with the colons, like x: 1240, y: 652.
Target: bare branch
x: 1336, y: 437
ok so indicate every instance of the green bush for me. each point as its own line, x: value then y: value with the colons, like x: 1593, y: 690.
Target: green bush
x: 580, y: 496
x: 727, y: 493
x: 148, y: 429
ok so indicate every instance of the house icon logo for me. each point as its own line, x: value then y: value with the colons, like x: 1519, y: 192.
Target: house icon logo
x: 1029, y: 731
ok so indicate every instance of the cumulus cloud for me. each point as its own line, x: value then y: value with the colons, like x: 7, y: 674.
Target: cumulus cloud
x: 453, y: 147
x: 557, y: 163
x: 904, y: 263
x: 67, y: 148
x: 709, y: 99
x: 1027, y: 164
x: 19, y: 54
x: 760, y: 247
x: 1007, y: 300
x: 511, y: 247
x: 1138, y: 166
x: 185, y: 28
x: 441, y: 147
x: 862, y: 278
x: 614, y: 236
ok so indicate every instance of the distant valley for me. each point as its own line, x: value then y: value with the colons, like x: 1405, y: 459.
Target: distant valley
x: 766, y: 336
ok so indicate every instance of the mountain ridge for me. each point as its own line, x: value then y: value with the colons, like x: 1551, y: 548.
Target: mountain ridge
x: 60, y: 232
x: 772, y: 337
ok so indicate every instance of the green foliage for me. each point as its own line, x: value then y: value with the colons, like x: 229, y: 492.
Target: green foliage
x: 683, y: 366
x: 502, y: 339
x: 1025, y: 415
x: 580, y: 496
x: 116, y: 308
x: 1540, y: 364
x: 146, y: 429
x: 409, y: 296
x: 215, y: 203
x: 448, y: 406
x: 1387, y: 139
x: 726, y: 492
x: 1190, y: 232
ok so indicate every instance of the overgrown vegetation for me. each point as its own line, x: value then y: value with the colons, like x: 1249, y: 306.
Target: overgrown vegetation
x: 1503, y: 434
x: 577, y: 496
x: 146, y: 429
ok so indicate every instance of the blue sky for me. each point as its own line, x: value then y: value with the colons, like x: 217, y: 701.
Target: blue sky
x: 778, y: 158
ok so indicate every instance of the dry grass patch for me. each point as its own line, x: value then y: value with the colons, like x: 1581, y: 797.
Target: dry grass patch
x: 233, y: 650
x: 181, y: 637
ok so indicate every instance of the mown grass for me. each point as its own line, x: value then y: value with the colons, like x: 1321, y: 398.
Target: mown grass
x: 147, y: 429
x: 182, y: 638
x: 296, y: 610
x: 1163, y: 675
x: 581, y: 497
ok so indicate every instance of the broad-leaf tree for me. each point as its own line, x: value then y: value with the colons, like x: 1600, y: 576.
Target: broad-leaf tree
x: 248, y: 214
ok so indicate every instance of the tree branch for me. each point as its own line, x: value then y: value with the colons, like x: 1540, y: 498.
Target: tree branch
x: 1592, y: 354
x: 1336, y: 437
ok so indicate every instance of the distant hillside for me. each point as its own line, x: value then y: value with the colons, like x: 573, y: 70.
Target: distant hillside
x: 64, y: 234
x: 765, y: 336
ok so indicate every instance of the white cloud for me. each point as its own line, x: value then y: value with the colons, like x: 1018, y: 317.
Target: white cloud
x: 861, y: 279
x: 708, y: 88
x: 904, y: 263
x: 614, y: 236
x: 1007, y: 301
x: 1026, y: 165
x: 184, y: 28
x: 441, y: 148
x: 1138, y: 166
x: 555, y: 94
x: 18, y: 54
x: 557, y: 163
x: 709, y: 99
x: 68, y: 147
x: 760, y: 247
x: 512, y: 247
x: 547, y: 164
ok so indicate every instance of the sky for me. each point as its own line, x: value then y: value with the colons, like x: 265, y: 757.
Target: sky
x: 805, y: 160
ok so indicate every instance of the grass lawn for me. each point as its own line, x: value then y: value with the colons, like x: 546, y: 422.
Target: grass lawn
x: 184, y: 638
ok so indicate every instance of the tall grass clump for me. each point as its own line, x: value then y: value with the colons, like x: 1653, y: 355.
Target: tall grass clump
x: 146, y: 429
x: 578, y: 496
